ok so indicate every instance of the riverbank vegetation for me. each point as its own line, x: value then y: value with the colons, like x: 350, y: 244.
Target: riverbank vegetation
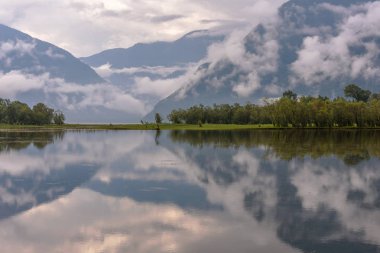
x: 361, y: 109
x: 18, y: 113
x: 111, y: 127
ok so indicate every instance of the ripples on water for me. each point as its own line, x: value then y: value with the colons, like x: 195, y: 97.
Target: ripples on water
x: 241, y: 191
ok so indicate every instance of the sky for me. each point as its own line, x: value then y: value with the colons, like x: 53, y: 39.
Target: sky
x: 86, y: 27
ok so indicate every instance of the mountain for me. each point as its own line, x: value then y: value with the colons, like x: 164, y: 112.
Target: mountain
x: 35, y: 71
x: 21, y: 52
x: 314, y: 47
x: 162, y: 60
x: 152, y: 71
x: 135, y: 79
x: 190, y: 48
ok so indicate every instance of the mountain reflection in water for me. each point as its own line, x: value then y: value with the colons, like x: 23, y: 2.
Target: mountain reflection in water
x: 190, y: 191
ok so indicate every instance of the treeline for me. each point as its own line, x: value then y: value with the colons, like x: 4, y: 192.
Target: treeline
x: 362, y: 110
x: 16, y: 112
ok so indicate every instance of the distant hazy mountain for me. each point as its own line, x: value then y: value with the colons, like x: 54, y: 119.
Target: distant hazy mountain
x: 152, y: 71
x: 190, y: 48
x: 35, y: 71
x: 315, y: 47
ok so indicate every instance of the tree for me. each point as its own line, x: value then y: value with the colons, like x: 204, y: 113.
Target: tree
x: 4, y: 103
x: 357, y: 93
x: 290, y: 111
x: 290, y: 94
x: 59, y: 118
x: 19, y: 113
x: 175, y: 117
x: 375, y: 96
x: 16, y: 112
x: 42, y: 115
x: 158, y: 118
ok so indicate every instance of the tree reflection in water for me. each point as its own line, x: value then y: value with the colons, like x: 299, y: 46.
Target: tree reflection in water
x: 192, y: 191
x: 352, y: 146
x: 317, y: 184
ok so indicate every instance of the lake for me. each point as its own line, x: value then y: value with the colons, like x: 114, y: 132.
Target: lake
x: 190, y: 191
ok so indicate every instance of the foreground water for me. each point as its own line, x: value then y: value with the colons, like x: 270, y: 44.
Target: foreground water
x: 241, y: 191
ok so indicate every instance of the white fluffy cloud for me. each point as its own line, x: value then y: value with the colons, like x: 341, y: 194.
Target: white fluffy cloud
x: 18, y: 46
x: 95, y: 95
x: 164, y: 87
x: 253, y: 65
x: 71, y: 96
x: 16, y: 82
x: 87, y: 26
x: 323, y: 58
x: 147, y: 89
x: 106, y: 70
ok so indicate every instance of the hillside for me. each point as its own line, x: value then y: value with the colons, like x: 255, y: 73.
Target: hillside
x: 314, y: 47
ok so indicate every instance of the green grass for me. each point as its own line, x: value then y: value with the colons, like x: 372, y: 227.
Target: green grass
x: 132, y: 127
x: 212, y: 127
x: 204, y: 127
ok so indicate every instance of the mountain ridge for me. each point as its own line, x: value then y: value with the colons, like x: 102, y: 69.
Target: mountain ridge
x: 296, y: 52
x: 33, y: 71
x: 160, y: 53
x: 66, y: 65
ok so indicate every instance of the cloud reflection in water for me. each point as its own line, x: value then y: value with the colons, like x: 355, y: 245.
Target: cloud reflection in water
x: 194, y: 192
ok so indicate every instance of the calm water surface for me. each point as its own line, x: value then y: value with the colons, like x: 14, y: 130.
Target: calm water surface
x: 145, y: 192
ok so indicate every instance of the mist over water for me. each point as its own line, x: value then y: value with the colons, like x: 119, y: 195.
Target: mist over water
x: 190, y: 191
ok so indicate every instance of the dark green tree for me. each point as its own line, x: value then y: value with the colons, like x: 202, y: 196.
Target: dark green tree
x: 290, y: 94
x: 59, y: 118
x: 42, y: 115
x: 175, y: 117
x: 16, y: 112
x: 357, y: 93
x: 4, y: 103
x: 287, y: 111
x: 375, y: 96
x: 19, y: 113
x: 158, y: 118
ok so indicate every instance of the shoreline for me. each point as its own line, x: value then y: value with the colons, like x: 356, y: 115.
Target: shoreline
x: 153, y: 127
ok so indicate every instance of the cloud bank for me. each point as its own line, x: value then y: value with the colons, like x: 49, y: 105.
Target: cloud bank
x: 347, y: 48
x: 353, y: 52
x: 70, y: 96
x: 100, y: 24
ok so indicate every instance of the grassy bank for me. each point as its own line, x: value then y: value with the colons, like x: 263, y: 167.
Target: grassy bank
x: 130, y: 127
x: 204, y: 127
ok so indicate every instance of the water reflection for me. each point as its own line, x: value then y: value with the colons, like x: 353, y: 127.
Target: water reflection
x: 183, y: 191
x: 32, y: 173
x: 351, y: 145
x: 21, y: 140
